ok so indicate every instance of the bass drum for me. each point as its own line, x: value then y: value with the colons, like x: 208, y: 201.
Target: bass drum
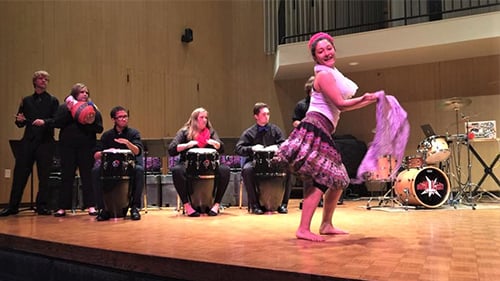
x: 428, y: 187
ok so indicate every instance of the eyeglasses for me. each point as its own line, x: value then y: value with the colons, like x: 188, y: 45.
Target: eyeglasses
x: 122, y: 117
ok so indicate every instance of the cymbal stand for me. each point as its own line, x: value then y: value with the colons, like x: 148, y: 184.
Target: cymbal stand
x: 464, y: 189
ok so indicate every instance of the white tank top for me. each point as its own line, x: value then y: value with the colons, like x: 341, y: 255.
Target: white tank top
x: 320, y: 103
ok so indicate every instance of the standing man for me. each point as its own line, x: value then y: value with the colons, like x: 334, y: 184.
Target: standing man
x: 121, y: 137
x: 300, y: 110
x: 259, y: 136
x: 36, y: 113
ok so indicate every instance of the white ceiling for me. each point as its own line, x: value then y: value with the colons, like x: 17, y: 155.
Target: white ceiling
x: 457, y: 38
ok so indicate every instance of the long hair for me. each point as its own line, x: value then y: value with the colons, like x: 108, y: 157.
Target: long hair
x: 192, y: 124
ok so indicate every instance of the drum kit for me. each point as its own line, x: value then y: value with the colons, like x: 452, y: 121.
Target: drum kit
x: 423, y: 179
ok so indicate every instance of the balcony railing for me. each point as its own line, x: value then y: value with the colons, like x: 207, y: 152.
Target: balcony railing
x: 288, y: 21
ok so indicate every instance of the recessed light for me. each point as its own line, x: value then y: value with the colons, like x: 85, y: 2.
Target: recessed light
x: 353, y: 63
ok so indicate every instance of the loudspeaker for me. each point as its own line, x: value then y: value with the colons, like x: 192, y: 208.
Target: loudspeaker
x: 187, y: 36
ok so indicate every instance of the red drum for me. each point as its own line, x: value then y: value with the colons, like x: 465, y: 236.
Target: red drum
x: 428, y: 187
x: 414, y: 161
x: 117, y: 163
x: 202, y: 162
x: 435, y: 149
x: 385, y: 166
x: 83, y: 112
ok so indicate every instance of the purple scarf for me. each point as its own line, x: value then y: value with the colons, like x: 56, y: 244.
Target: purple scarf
x: 390, y: 138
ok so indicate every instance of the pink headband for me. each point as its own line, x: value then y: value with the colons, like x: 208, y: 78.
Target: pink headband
x: 317, y: 36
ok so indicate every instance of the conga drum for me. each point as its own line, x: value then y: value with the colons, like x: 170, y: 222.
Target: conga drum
x: 116, y: 166
x: 271, y: 179
x: 202, y: 164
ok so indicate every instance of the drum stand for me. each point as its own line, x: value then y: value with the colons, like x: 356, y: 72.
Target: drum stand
x: 488, y: 171
x: 466, y: 189
x: 388, y: 199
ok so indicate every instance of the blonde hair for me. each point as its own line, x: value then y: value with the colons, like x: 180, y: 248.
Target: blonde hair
x: 192, y: 124
x: 40, y: 73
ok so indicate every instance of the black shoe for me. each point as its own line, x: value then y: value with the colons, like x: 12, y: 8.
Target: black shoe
x: 134, y: 214
x: 43, y: 211
x: 256, y: 210
x: 283, y: 209
x: 58, y: 214
x: 212, y: 213
x: 102, y: 215
x: 194, y: 214
x: 93, y: 212
x: 9, y: 211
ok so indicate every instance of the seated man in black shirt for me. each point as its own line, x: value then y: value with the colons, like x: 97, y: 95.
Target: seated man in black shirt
x: 262, y: 135
x: 121, y: 137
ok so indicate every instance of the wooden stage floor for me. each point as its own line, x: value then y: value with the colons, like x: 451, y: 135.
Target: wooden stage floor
x: 384, y: 244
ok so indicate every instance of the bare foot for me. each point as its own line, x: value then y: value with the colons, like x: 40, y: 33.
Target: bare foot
x: 308, y: 235
x: 328, y: 229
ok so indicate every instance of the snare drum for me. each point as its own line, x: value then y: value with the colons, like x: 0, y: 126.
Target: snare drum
x: 428, y: 187
x: 414, y: 161
x: 202, y: 162
x: 117, y: 163
x: 385, y: 167
x: 263, y: 164
x: 435, y: 149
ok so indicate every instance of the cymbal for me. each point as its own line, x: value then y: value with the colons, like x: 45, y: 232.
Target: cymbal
x: 455, y: 103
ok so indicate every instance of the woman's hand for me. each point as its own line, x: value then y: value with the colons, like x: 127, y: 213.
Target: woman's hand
x: 214, y: 143
x: 370, y: 97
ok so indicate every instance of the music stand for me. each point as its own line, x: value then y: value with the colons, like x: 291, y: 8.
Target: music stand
x: 153, y: 148
x: 15, y: 147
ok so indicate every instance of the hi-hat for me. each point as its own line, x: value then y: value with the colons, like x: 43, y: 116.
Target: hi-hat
x: 455, y: 103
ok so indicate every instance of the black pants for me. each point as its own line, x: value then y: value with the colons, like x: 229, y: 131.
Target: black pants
x: 249, y: 180
x: 71, y: 158
x: 136, y: 183
x: 27, y: 154
x: 180, y: 179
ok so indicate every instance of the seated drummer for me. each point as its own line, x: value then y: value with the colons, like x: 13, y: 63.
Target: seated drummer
x: 197, y: 133
x: 120, y: 137
x: 262, y: 134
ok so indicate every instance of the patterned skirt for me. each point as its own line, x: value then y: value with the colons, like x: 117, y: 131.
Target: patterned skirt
x: 310, y: 151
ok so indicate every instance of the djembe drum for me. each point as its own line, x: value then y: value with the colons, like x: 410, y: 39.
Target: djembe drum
x: 116, y: 167
x: 270, y: 179
x: 202, y: 164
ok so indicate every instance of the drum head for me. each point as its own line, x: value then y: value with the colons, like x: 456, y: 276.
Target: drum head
x: 428, y: 187
x: 202, y: 150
